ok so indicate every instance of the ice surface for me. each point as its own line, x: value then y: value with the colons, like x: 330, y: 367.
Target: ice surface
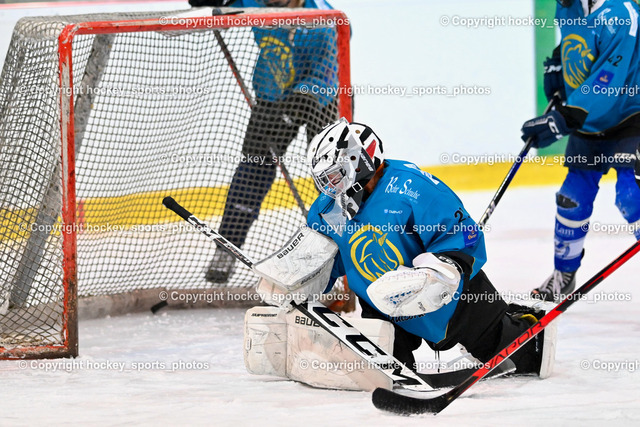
x: 211, y: 387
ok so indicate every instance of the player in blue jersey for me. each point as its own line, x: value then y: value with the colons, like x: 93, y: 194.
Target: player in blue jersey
x: 596, y: 68
x: 411, y: 252
x: 293, y: 80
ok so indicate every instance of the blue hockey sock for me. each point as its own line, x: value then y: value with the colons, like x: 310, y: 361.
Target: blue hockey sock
x: 628, y: 199
x: 575, y: 205
x: 569, y: 243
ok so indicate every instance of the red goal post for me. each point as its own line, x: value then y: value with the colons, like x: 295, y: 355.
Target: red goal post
x: 62, y: 341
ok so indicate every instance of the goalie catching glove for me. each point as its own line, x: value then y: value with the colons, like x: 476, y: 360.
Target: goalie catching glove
x: 430, y: 284
x: 298, y: 271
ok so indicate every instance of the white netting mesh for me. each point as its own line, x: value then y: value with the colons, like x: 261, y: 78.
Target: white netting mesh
x: 156, y: 114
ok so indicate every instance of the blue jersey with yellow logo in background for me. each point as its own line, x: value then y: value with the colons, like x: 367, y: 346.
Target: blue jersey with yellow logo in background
x: 408, y: 213
x: 295, y: 60
x: 600, y: 60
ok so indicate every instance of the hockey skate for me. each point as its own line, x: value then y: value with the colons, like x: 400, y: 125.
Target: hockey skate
x: 538, y: 356
x: 221, y: 267
x: 559, y: 284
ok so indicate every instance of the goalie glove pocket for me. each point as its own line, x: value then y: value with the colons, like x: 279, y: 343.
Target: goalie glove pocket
x: 423, y: 289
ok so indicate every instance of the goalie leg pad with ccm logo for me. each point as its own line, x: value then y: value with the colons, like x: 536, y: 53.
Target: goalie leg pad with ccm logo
x: 290, y: 345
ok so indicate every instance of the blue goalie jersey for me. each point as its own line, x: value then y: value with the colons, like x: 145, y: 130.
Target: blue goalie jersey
x: 600, y: 60
x: 408, y: 213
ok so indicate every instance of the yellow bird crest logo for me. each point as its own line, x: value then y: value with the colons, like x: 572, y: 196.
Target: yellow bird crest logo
x: 279, y: 59
x: 373, y: 254
x: 577, y: 60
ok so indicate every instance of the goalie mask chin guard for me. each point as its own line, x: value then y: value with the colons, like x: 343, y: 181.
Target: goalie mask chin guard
x: 344, y: 157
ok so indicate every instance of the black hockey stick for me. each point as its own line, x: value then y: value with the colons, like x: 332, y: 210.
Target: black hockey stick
x: 406, y: 405
x: 513, y: 170
x: 327, y: 319
x: 245, y: 91
x: 218, y: 238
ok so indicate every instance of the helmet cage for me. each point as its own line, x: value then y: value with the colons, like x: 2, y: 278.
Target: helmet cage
x: 348, y: 174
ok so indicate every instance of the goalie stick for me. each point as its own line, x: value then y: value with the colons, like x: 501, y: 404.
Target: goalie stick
x: 415, y: 404
x: 332, y: 322
x: 512, y: 171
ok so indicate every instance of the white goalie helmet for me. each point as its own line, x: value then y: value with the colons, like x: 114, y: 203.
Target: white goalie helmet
x: 344, y: 157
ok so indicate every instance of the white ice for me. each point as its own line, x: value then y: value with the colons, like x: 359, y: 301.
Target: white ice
x: 211, y: 387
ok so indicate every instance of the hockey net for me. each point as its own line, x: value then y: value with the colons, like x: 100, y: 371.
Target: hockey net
x: 101, y: 116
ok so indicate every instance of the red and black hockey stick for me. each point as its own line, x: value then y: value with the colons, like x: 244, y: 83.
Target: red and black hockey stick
x: 406, y: 405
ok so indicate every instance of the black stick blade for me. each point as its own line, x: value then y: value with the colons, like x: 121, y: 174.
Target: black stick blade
x: 157, y: 307
x: 403, y: 404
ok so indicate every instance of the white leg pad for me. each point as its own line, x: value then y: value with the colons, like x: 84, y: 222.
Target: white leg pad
x: 265, y: 341
x: 309, y: 353
x: 317, y: 358
x: 549, y: 350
